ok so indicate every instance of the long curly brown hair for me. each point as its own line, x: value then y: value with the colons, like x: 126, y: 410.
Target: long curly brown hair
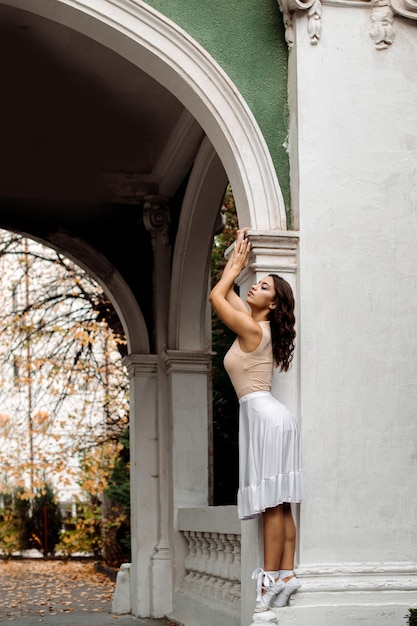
x: 282, y: 320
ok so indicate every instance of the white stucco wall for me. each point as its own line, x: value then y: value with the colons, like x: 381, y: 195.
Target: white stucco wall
x: 357, y: 165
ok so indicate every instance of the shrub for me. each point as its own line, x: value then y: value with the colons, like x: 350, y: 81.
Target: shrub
x: 46, y: 521
x: 10, y: 535
x: 84, y: 533
x: 412, y: 617
x: 14, y: 528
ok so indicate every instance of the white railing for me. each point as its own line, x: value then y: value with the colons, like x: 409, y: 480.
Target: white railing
x: 213, y: 565
x: 211, y: 586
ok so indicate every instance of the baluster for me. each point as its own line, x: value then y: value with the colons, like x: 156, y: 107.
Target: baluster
x: 235, y: 569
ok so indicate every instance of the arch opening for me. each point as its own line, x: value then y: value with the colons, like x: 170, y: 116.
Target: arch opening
x: 64, y: 399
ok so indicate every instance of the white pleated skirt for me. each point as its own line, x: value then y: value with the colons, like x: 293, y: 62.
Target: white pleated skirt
x: 270, y: 458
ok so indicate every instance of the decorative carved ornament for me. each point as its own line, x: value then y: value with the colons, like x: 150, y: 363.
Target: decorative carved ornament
x: 382, y: 17
x: 156, y: 217
x: 406, y: 8
x: 313, y: 8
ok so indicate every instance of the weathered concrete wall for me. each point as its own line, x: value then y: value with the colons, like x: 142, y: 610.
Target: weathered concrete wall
x: 357, y: 171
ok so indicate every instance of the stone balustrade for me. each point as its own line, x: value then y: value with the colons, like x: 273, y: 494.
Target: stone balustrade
x: 212, y: 564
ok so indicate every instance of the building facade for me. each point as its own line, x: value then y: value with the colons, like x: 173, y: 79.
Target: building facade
x: 123, y: 123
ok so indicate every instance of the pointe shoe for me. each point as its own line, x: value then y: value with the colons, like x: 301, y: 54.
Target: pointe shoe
x: 267, y: 588
x: 290, y: 587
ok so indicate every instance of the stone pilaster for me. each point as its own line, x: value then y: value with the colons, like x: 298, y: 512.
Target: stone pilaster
x: 144, y: 476
x: 189, y: 399
x: 189, y: 380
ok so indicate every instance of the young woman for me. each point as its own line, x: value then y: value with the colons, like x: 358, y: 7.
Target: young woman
x: 270, y: 469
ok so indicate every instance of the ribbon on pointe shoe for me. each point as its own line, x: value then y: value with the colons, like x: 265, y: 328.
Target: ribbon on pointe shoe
x: 263, y: 581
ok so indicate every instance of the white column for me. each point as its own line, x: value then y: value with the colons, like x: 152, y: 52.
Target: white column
x: 151, y: 502
x: 144, y: 471
x: 189, y: 382
x: 357, y: 165
x: 162, y: 571
x: 189, y: 376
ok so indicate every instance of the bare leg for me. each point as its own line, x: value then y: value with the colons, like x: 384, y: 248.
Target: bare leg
x: 287, y: 558
x: 279, y: 549
x: 274, y: 538
x: 292, y: 584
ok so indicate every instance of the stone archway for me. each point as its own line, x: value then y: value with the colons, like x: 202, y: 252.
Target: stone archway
x: 160, y: 48
x: 233, y: 149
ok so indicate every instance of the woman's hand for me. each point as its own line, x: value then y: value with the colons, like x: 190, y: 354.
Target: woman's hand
x: 240, y: 234
x: 225, y: 301
x: 241, y: 251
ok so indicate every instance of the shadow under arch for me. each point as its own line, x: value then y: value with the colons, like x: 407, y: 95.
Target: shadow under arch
x: 156, y: 45
x: 113, y: 284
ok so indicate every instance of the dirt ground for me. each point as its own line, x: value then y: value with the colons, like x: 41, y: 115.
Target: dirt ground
x: 39, y: 588
x: 60, y: 593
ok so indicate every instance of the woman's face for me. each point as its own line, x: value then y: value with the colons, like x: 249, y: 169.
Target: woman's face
x: 262, y: 295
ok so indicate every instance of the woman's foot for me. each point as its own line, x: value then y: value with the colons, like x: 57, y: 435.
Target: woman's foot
x: 290, y: 586
x: 267, y: 588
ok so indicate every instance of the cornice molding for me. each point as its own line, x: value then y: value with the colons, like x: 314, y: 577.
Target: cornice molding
x: 182, y: 361
x: 141, y: 364
x: 382, y: 17
x: 374, y: 577
x: 271, y: 252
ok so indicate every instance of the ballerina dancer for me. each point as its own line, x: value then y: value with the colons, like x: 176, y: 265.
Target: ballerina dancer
x: 270, y: 467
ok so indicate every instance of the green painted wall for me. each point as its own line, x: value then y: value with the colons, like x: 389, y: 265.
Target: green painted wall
x: 246, y: 37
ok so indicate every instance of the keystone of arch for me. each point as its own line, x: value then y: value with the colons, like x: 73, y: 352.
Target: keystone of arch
x: 159, y: 47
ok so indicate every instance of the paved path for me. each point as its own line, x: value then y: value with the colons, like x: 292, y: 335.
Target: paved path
x: 58, y: 593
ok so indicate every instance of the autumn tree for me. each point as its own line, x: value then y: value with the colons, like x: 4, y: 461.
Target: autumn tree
x: 63, y: 388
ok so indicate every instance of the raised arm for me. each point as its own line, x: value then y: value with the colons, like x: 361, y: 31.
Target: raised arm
x: 227, y: 304
x: 231, y: 295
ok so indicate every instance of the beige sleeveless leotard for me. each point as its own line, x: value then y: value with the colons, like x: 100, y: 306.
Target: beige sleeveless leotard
x: 251, y: 371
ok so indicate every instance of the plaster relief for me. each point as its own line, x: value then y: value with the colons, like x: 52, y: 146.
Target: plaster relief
x: 382, y: 17
x: 314, y: 21
x: 156, y: 217
x: 313, y: 8
x: 382, y: 31
x: 406, y: 8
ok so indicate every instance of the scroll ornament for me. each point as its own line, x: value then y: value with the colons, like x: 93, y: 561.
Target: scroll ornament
x: 382, y: 18
x: 313, y: 8
x: 156, y: 217
x: 406, y: 8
